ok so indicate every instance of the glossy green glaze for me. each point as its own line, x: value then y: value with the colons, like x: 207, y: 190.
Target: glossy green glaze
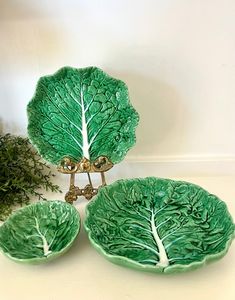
x: 158, y: 225
x: 39, y: 232
x: 80, y: 113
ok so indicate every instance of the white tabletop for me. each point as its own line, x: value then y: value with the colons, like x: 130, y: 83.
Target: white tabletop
x: 82, y: 273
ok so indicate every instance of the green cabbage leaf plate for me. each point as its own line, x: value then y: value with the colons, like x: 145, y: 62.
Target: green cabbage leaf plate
x: 39, y: 232
x: 81, y: 113
x: 159, y: 225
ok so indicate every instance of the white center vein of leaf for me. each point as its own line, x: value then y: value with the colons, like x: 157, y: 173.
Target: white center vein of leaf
x: 85, y: 145
x: 163, y: 259
x: 45, y: 245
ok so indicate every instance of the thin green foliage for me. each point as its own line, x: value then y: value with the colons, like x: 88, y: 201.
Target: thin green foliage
x: 22, y: 174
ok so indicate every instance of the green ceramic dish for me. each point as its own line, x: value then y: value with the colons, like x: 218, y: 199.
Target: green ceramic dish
x: 159, y: 225
x: 81, y: 113
x: 39, y: 232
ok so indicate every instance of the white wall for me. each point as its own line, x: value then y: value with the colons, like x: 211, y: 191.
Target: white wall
x: 177, y: 57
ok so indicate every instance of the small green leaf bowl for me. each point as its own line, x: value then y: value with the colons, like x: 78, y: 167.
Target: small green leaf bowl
x: 159, y: 225
x: 39, y: 232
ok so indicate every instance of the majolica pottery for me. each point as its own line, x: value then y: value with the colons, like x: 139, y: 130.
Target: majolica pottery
x: 82, y: 121
x: 159, y: 225
x: 39, y: 232
x: 79, y: 114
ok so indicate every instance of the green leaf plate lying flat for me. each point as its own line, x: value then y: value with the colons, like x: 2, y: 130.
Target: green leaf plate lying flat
x: 158, y: 225
x: 39, y: 232
x: 81, y: 113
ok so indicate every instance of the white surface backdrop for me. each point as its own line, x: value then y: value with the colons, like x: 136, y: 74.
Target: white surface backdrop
x: 177, y: 57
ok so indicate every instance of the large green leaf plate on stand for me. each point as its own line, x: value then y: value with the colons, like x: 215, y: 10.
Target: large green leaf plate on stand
x: 159, y: 225
x: 81, y: 113
x: 39, y: 232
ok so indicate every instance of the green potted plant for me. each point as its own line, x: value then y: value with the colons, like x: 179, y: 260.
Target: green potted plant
x: 22, y: 174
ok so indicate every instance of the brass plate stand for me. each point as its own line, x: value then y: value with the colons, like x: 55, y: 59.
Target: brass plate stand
x: 100, y: 165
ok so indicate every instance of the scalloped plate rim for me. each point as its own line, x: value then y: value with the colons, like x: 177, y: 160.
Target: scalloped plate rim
x: 53, y: 255
x: 177, y: 268
x: 32, y: 139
